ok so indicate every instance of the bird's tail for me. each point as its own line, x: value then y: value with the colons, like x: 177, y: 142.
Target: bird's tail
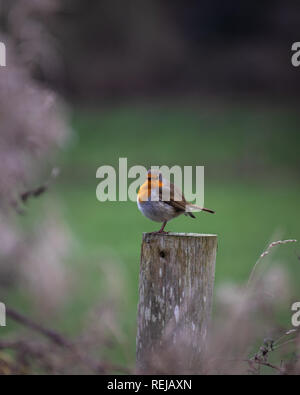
x: 194, y: 207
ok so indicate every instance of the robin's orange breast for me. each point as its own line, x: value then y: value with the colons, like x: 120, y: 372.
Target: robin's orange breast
x: 149, y: 188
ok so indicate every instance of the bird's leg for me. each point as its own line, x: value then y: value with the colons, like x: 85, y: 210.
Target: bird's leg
x: 161, y: 230
x: 162, y: 227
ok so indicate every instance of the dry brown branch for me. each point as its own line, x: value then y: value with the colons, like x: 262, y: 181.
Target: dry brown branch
x: 50, y: 334
x: 38, y: 349
x: 36, y: 192
x: 265, y: 253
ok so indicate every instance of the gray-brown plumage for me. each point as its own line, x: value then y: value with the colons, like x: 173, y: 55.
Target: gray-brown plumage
x: 161, y: 201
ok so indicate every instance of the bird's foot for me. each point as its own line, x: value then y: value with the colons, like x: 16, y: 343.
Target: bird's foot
x: 159, y: 232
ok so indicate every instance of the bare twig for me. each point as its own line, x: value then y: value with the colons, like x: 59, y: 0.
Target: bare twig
x: 265, y: 363
x: 266, y: 252
x: 50, y: 334
x: 36, y: 192
x: 59, y: 340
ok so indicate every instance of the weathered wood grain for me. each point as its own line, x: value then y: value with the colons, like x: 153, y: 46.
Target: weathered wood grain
x: 175, y: 297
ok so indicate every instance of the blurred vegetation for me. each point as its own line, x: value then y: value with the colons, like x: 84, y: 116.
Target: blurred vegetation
x: 113, y: 49
x: 251, y: 182
x: 159, y: 83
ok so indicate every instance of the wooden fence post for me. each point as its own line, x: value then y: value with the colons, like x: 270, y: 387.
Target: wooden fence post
x: 175, y: 299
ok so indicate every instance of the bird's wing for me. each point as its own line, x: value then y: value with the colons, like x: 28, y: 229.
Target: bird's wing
x: 176, y: 198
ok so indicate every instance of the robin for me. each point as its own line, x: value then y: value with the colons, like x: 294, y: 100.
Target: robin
x: 161, y: 201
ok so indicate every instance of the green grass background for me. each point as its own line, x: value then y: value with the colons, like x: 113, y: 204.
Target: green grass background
x: 251, y: 159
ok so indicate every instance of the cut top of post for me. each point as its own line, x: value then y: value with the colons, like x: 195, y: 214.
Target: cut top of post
x: 181, y: 234
x: 170, y: 235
